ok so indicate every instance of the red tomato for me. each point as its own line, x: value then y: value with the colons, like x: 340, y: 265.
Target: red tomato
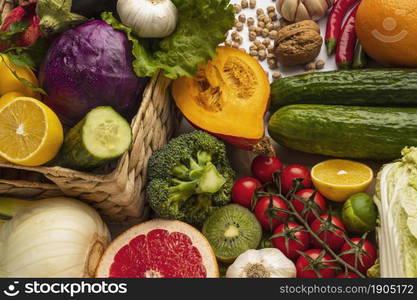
x: 332, y: 236
x: 318, y: 199
x: 347, y: 275
x: 262, y: 208
x: 243, y: 189
x: 320, y: 265
x: 292, y: 172
x: 264, y: 167
x: 368, y: 258
x: 298, y: 239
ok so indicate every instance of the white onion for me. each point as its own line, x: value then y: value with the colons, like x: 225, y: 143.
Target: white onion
x: 57, y: 237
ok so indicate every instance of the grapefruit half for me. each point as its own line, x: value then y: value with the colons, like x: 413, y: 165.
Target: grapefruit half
x: 159, y: 249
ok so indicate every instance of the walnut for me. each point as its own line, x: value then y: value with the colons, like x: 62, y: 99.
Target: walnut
x: 298, y: 43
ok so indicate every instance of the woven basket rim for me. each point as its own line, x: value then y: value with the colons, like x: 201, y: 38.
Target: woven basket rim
x: 85, y: 175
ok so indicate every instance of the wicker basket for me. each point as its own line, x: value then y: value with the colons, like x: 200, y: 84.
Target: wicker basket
x: 118, y: 193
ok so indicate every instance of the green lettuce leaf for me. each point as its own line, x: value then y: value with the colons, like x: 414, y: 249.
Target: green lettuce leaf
x: 202, y: 26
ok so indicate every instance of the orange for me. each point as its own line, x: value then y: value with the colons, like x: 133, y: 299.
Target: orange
x: 387, y: 29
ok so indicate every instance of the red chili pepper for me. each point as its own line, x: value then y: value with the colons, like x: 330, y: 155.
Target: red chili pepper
x: 15, y: 15
x: 23, y: 13
x: 347, y: 42
x: 32, y: 34
x: 334, y: 22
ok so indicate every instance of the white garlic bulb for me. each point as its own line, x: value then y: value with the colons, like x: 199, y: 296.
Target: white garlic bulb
x: 264, y: 263
x: 300, y: 10
x: 149, y: 18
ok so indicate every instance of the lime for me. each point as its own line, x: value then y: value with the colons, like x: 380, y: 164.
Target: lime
x: 359, y: 213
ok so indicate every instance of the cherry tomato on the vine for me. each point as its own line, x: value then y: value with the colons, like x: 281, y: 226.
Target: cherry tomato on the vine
x: 271, y: 217
x: 291, y: 237
x: 364, y: 260
x: 328, y: 232
x: 318, y: 203
x: 292, y: 172
x: 263, y: 168
x: 318, y: 264
x: 243, y: 190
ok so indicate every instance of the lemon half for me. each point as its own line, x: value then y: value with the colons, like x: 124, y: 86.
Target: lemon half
x: 31, y: 133
x: 338, y: 179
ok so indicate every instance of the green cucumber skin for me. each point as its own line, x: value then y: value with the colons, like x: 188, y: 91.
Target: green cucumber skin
x: 367, y: 87
x: 74, y: 155
x: 376, y: 133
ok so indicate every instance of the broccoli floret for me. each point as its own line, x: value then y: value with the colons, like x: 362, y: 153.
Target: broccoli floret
x: 189, y: 178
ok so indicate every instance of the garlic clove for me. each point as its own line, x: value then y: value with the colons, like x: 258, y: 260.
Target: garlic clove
x: 288, y: 9
x: 316, y: 8
x: 302, y: 13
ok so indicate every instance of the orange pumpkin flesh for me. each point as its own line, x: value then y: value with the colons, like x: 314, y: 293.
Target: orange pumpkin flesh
x: 229, y: 98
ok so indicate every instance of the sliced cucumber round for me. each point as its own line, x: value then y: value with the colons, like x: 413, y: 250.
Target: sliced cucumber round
x: 102, y: 135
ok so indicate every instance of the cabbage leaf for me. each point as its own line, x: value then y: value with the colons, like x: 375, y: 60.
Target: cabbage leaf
x: 201, y: 27
x: 396, y: 198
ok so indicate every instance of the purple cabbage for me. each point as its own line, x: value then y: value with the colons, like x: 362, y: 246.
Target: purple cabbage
x: 90, y: 66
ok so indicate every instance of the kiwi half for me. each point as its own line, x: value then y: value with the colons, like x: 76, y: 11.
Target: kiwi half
x: 232, y: 230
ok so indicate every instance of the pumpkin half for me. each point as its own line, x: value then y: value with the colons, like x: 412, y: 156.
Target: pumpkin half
x: 228, y: 98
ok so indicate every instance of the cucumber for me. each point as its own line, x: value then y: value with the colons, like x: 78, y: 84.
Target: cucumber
x: 367, y: 87
x: 102, y: 136
x: 377, y: 133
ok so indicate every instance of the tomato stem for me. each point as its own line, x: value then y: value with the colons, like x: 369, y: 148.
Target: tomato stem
x: 319, y: 240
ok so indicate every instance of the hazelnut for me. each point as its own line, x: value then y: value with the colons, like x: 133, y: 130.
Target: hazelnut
x: 267, y: 19
x: 253, y: 53
x: 242, y: 18
x: 235, y: 45
x: 310, y: 66
x: 251, y: 21
x: 252, y: 35
x: 238, y: 8
x: 272, y: 63
x: 298, y: 43
x: 320, y: 64
x: 273, y: 16
x: 257, y: 43
x: 252, y: 4
x: 261, y: 24
x: 270, y: 56
x: 244, y: 4
x: 277, y: 26
x: 259, y: 11
x: 239, y: 26
x: 261, y: 18
x: 252, y: 28
x: 270, y: 9
x: 273, y: 34
x: 276, y: 75
x: 265, y: 32
x: 266, y: 42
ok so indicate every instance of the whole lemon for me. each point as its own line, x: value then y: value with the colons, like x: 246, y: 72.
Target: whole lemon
x: 387, y: 30
x: 9, y: 83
